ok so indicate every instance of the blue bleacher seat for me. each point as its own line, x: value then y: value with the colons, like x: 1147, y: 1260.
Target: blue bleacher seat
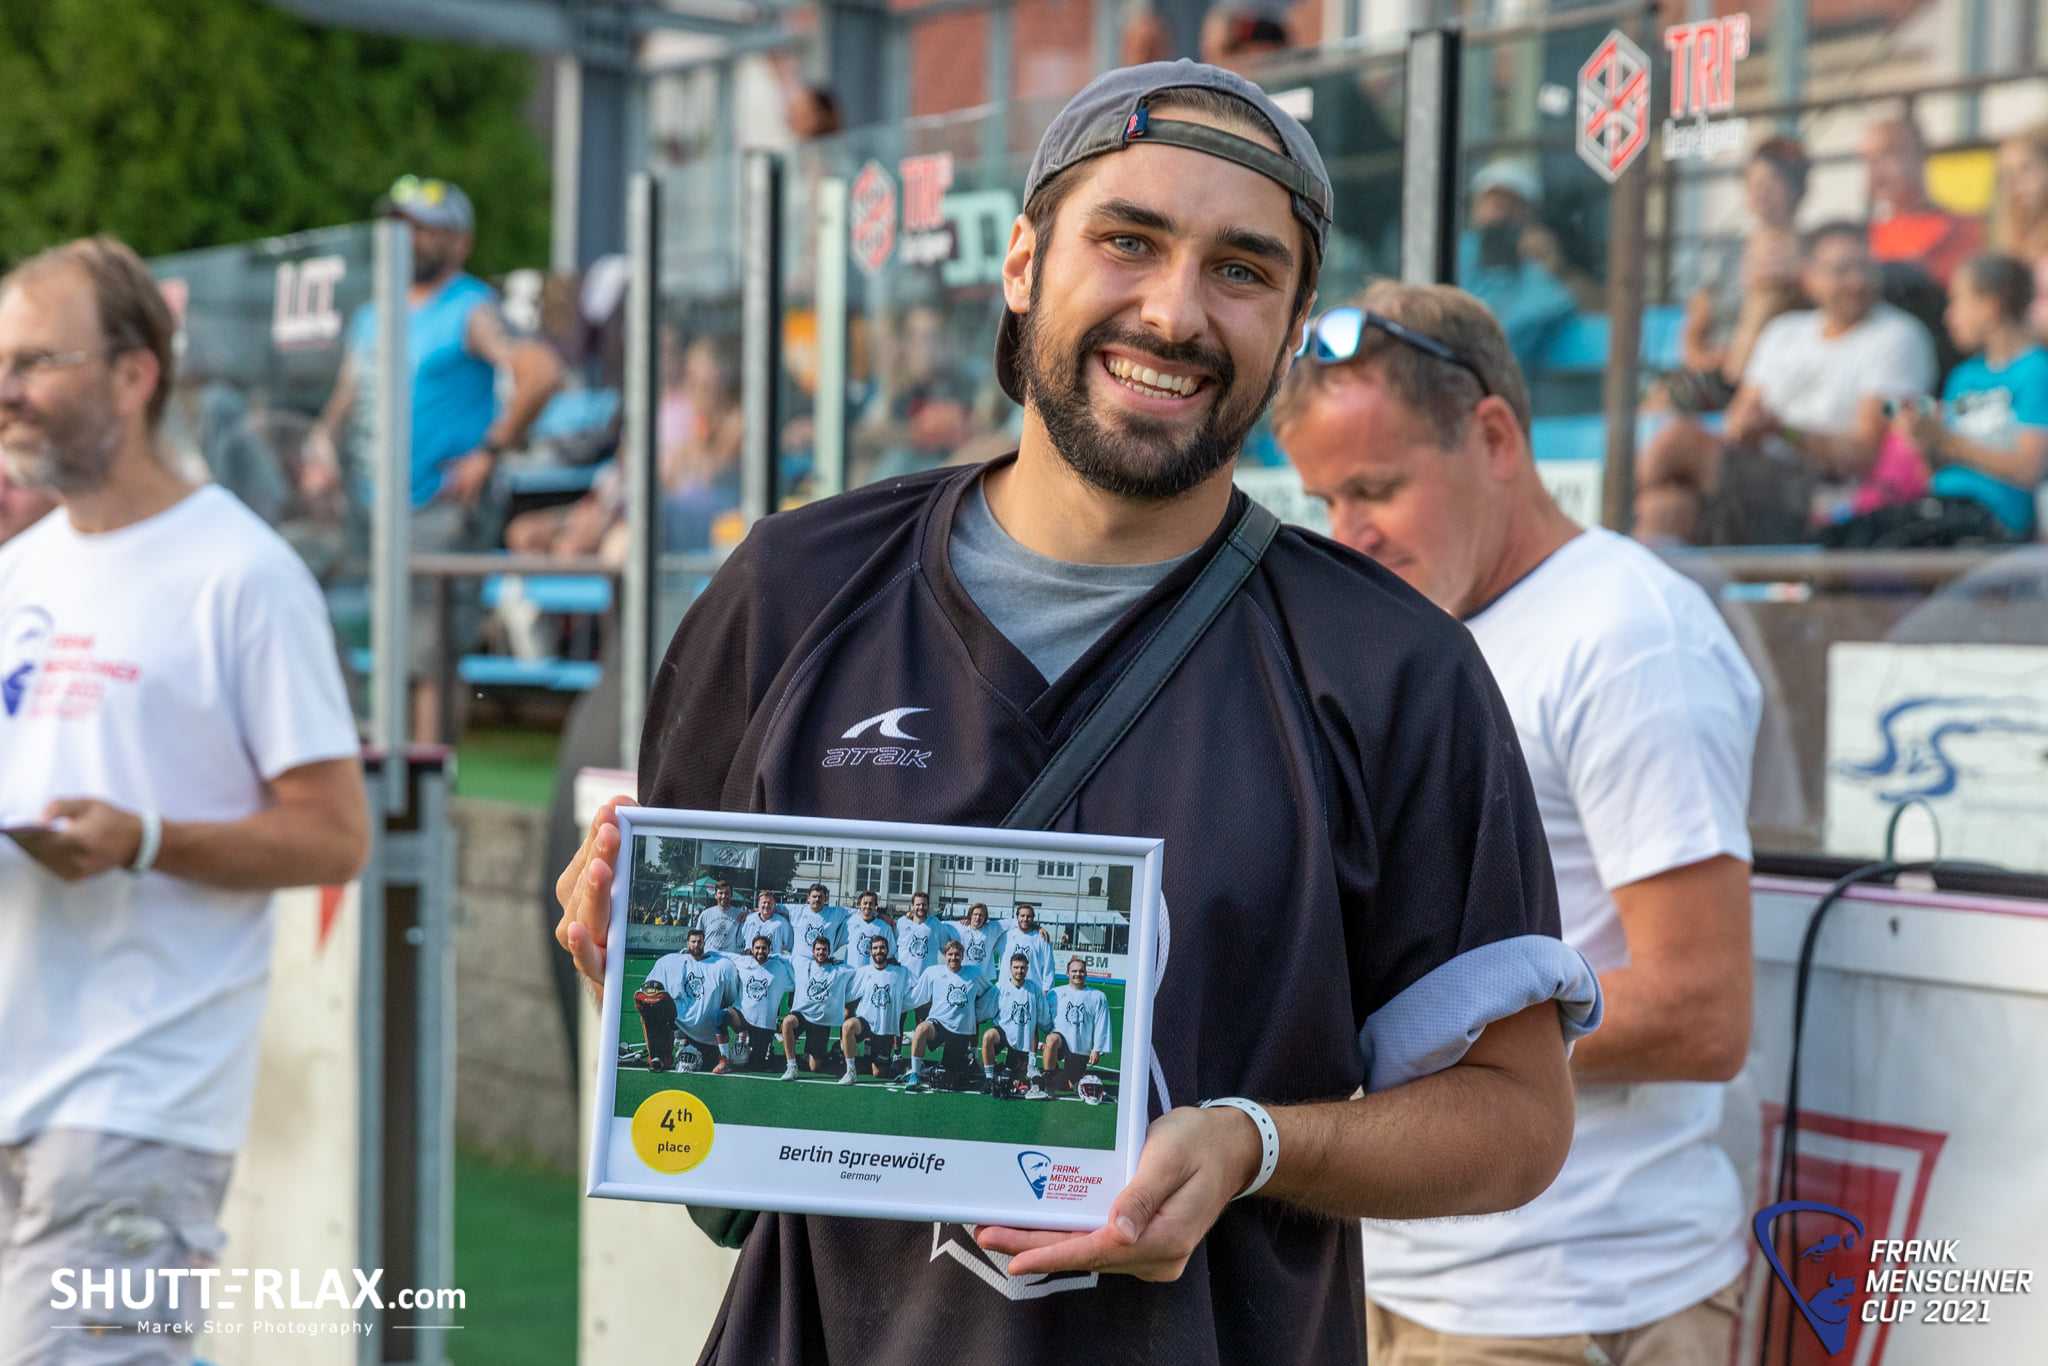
x: 1583, y: 344
x: 503, y: 671
x: 573, y: 594
x: 535, y: 479
x: 1579, y: 437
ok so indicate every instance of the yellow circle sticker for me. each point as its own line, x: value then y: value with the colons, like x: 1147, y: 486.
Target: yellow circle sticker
x: 672, y: 1131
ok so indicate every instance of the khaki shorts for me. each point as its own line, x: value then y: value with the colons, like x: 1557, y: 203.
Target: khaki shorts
x: 101, y: 1205
x: 1701, y: 1335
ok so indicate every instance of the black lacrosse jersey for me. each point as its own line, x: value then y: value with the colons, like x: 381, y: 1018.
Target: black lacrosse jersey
x: 1353, y: 866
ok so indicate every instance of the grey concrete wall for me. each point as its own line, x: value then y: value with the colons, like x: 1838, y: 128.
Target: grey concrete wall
x: 515, y: 1092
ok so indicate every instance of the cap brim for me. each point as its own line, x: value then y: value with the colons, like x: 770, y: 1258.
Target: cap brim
x: 1008, y: 338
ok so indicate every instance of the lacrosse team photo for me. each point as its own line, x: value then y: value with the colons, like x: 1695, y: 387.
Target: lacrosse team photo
x: 885, y: 989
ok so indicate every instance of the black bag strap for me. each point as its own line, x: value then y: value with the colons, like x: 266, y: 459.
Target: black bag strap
x: 1075, y: 762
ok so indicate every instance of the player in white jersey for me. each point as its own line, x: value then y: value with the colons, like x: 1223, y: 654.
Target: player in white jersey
x: 1080, y: 1020
x: 976, y: 938
x: 762, y: 979
x: 868, y: 925
x: 1021, y: 1014
x: 720, y: 922
x: 1026, y: 938
x: 956, y: 1006
x: 701, y: 985
x: 768, y: 919
x: 815, y: 919
x: 880, y: 994
x: 818, y: 1005
x: 919, y: 938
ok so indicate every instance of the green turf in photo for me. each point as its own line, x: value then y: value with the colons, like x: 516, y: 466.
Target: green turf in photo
x: 817, y: 1101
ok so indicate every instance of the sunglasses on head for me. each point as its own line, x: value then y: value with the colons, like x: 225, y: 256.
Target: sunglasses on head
x: 410, y: 190
x: 1336, y: 336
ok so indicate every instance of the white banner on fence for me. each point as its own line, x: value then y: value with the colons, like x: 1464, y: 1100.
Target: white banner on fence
x: 1963, y: 728
x: 1921, y: 1115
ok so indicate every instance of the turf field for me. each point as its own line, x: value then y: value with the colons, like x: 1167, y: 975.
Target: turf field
x: 817, y: 1101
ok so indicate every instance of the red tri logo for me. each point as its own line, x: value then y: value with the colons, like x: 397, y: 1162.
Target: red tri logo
x: 1614, y: 106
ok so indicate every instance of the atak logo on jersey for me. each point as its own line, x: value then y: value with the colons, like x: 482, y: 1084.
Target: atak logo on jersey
x: 887, y: 725
x: 1037, y: 1169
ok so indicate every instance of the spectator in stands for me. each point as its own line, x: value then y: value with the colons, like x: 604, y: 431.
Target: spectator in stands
x: 2022, y: 216
x: 812, y: 112
x: 1810, y: 412
x: 1511, y: 263
x: 1905, y: 225
x: 1742, y: 289
x: 22, y: 505
x: 1235, y: 37
x: 1146, y: 38
x: 924, y: 411
x: 458, y: 344
x: 1988, y: 445
x: 700, y: 473
x: 699, y: 439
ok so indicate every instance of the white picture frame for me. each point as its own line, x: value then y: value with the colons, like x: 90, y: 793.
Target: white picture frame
x: 874, y: 1148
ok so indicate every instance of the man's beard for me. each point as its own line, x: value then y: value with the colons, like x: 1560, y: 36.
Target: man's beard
x: 1137, y: 458
x: 428, y: 266
x: 75, y: 450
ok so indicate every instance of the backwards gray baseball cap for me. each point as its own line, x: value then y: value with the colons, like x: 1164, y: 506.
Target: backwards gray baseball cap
x: 1114, y: 111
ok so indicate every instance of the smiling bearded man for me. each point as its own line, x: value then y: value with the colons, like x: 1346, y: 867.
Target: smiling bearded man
x: 1341, y: 769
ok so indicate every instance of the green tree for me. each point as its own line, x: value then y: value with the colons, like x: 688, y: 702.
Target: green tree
x: 189, y: 123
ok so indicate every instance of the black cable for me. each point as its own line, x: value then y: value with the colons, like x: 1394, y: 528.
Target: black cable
x: 1786, y: 1186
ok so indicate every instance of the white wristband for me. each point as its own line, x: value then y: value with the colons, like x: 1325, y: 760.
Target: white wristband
x: 1269, y: 1139
x: 152, y: 841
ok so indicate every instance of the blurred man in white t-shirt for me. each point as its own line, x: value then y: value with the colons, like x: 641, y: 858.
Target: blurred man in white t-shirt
x: 1808, y: 417
x: 175, y: 743
x: 1636, y: 714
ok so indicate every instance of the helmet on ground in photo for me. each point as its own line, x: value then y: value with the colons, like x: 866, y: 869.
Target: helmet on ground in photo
x: 1091, y: 1089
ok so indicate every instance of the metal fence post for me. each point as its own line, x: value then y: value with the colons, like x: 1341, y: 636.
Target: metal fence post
x: 434, y: 1003
x: 829, y: 411
x: 1628, y: 210
x: 1429, y: 158
x: 638, y: 585
x: 391, y: 513
x: 760, y: 330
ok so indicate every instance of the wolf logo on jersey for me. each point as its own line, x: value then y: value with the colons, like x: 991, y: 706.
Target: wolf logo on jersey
x: 757, y: 988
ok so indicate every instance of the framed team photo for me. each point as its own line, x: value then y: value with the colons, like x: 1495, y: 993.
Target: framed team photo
x: 876, y: 1019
